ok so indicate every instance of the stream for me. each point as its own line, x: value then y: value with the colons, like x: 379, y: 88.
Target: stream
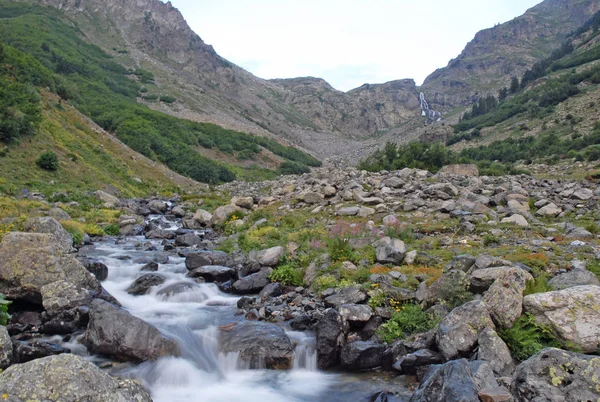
x: 191, y: 314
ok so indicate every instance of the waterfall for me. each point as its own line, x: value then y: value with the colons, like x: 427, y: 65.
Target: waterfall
x: 431, y: 115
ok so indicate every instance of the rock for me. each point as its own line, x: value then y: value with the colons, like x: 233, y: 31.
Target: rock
x: 550, y: 210
x: 67, y: 378
x: 243, y: 202
x: 331, y: 330
x: 24, y: 352
x: 329, y: 191
x: 452, y: 381
x: 390, y: 251
x: 221, y: 214
x: 188, y: 240
x: 446, y: 287
x: 557, y: 375
x: 176, y: 288
x: 576, y: 277
x: 348, y: 211
x: 356, y: 312
x: 493, y: 350
x: 351, y: 295
x: 270, y: 257
x: 517, y: 208
x: 62, y: 295
x: 582, y: 194
x: 496, y: 394
x: 572, y: 314
x: 110, y: 201
x: 504, y: 299
x: 143, y: 283
x: 366, y: 211
x: 114, y: 332
x: 52, y: 227
x: 480, y: 280
x: 458, y: 332
x: 96, y: 268
x: 409, y: 363
x: 462, y: 262
x: 29, y: 261
x: 483, y: 374
x: 312, y: 198
x: 212, y: 273
x: 260, y: 345
x: 150, y: 267
x: 579, y: 233
x: 59, y: 214
x: 158, y: 206
x: 202, y: 258
x: 394, y: 182
x: 178, y: 211
x: 160, y: 234
x: 253, y: 283
x: 460, y: 170
x: 362, y: 355
x: 410, y: 257
x: 271, y: 290
x: 6, y: 348
x: 203, y: 218
x: 517, y: 219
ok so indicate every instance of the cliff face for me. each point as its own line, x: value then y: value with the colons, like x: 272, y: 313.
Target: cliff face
x: 495, y: 55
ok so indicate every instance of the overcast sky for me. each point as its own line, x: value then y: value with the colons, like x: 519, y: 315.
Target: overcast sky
x: 346, y: 42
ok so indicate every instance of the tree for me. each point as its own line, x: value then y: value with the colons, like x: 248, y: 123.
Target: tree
x: 503, y: 94
x: 514, y: 85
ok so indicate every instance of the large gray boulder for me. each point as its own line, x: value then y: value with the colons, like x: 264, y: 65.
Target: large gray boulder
x: 351, y: 295
x: 576, y: 277
x: 50, y: 226
x: 453, y: 381
x: 557, y: 375
x: 142, y: 284
x: 29, y: 261
x: 492, y: 349
x: 270, y: 257
x: 114, y: 332
x: 458, y: 332
x: 253, y: 283
x: 572, y: 314
x: 6, y: 348
x: 331, y: 329
x: 260, y: 345
x: 62, y: 295
x: 212, y: 273
x: 504, y: 299
x: 362, y: 355
x: 390, y: 251
x: 67, y: 378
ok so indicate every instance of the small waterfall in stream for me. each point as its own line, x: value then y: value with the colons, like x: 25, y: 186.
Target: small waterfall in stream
x: 431, y: 115
x: 192, y: 314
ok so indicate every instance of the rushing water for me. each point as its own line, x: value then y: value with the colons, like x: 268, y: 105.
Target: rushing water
x: 192, y: 316
x: 432, y: 115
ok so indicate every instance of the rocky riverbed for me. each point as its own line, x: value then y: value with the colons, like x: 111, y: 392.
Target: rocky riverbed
x: 367, y: 286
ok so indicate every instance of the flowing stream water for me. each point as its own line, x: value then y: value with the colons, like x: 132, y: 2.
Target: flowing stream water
x: 191, y: 314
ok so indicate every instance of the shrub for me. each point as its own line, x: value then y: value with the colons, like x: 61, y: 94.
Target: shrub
x: 48, y: 161
x: 407, y: 320
x: 112, y: 229
x: 293, y: 168
x: 167, y: 99
x: 324, y: 282
x: 288, y: 274
x: 489, y: 239
x: 4, y: 316
x: 527, y: 338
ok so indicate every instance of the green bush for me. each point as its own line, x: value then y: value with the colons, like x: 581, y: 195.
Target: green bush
x: 324, y: 282
x: 293, y: 168
x: 526, y: 338
x: 167, y: 99
x: 48, y: 161
x: 112, y: 229
x: 4, y: 316
x: 407, y: 320
x: 288, y: 274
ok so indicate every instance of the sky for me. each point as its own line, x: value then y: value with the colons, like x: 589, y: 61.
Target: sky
x: 346, y: 42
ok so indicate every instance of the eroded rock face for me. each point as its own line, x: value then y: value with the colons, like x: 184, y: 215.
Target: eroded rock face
x: 260, y: 345
x: 557, y: 375
x: 573, y: 314
x: 67, y: 378
x: 114, y: 332
x: 29, y: 261
x: 330, y: 338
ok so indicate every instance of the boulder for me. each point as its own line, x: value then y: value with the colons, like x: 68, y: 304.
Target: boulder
x: 50, y: 226
x: 202, y: 258
x: 114, y: 332
x: 575, y: 277
x: 221, y: 214
x: 504, y: 299
x: 212, y: 273
x: 110, y: 201
x: 480, y: 280
x: 178, y: 211
x: 462, y: 262
x: 96, y: 268
x: 458, y: 332
x: 550, y: 210
x: 356, y: 312
x: 62, y: 295
x: 67, y: 378
x: 272, y: 290
x: 446, y: 287
x: 452, y: 381
x: 331, y: 329
x: 24, y: 352
x: 143, y: 283
x: 492, y: 349
x: 203, y: 218
x: 270, y: 257
x: 517, y: 219
x: 188, y: 240
x: 390, y: 251
x: 572, y: 314
x: 362, y: 355
x: 6, y: 348
x: 408, y: 364
x: 312, y: 198
x: 557, y: 375
x: 158, y: 206
x: 582, y: 194
x: 253, y: 283
x: 351, y: 295
x: 160, y: 234
x: 348, y: 211
x: 243, y: 202
x: 260, y: 345
x: 29, y: 261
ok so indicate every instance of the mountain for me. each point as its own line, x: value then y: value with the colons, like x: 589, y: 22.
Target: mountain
x: 497, y: 54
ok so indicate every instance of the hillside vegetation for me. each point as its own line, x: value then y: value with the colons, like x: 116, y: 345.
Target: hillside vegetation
x: 44, y: 49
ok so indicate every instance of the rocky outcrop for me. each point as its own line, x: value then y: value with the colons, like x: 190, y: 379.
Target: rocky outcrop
x: 66, y: 378
x: 114, y: 332
x: 331, y: 330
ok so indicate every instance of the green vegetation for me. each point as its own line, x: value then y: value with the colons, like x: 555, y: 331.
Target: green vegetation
x: 52, y: 54
x: 407, y: 320
x: 288, y: 273
x: 527, y: 338
x: 4, y: 316
x: 48, y: 161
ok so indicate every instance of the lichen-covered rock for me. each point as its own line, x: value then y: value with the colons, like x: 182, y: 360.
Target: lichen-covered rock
x: 356, y: 312
x: 492, y: 349
x: 53, y: 227
x: 270, y: 257
x: 67, y: 378
x: 557, y: 375
x: 576, y: 277
x: 480, y: 280
x: 504, y: 299
x: 29, y: 261
x: 458, y: 332
x: 62, y: 295
x: 573, y: 314
x: 114, y: 332
x: 6, y: 348
x: 261, y: 345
